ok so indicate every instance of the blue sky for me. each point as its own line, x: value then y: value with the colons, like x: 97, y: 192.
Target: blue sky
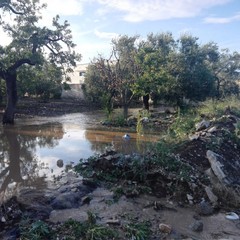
x: 95, y: 22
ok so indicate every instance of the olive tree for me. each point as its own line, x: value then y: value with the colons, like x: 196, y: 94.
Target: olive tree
x: 112, y: 79
x: 31, y: 44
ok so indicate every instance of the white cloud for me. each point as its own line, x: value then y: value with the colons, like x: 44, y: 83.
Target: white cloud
x: 65, y: 8
x: 222, y: 20
x: 141, y: 10
x: 105, y: 35
x: 91, y: 50
x: 61, y: 7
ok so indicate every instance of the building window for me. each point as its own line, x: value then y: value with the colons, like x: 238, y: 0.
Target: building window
x: 81, y: 74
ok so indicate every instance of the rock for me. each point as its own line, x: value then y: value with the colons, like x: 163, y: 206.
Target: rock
x: 66, y: 200
x: 196, y: 226
x: 86, y: 199
x: 126, y: 136
x: 113, y: 221
x: 3, y: 219
x: 211, y: 196
x: 90, y: 182
x: 204, y: 208
x: 131, y: 121
x: 216, y: 165
x: 202, y: 125
x: 212, y: 130
x: 193, y: 137
x: 190, y: 198
x: 60, y: 163
x: 144, y: 120
x: 164, y: 228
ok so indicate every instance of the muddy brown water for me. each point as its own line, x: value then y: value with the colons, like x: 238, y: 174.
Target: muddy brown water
x: 31, y: 151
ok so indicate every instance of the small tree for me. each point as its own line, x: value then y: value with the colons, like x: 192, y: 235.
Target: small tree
x: 152, y: 59
x: 112, y: 79
x: 30, y: 45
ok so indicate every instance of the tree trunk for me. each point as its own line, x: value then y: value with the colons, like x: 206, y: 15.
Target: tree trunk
x: 11, y: 84
x: 146, y: 102
x: 125, y: 111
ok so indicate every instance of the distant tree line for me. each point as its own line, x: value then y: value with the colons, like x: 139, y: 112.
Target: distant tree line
x: 163, y: 69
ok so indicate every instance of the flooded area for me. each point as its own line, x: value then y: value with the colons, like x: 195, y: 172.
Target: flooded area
x: 39, y: 149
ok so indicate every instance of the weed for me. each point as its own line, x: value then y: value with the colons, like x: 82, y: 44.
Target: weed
x: 237, y: 129
x: 216, y: 108
x: 97, y: 232
x: 119, y: 121
x: 34, y: 230
x: 138, y: 231
x: 89, y: 230
x: 73, y: 229
x: 183, y: 125
x: 141, y: 115
x: 117, y: 193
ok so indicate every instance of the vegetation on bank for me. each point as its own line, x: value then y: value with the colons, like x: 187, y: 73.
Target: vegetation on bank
x: 136, y: 174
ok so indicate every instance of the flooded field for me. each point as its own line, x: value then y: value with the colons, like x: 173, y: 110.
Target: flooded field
x: 39, y: 149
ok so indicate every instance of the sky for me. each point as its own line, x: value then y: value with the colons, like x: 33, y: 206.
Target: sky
x: 94, y: 23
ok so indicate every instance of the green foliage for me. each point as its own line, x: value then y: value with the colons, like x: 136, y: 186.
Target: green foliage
x: 34, y: 230
x: 141, y: 114
x: 107, y: 104
x: 101, y: 233
x: 41, y: 81
x: 183, y: 124
x: 119, y: 121
x: 216, y: 108
x: 138, y: 231
x: 165, y: 158
x: 237, y: 130
x: 74, y: 230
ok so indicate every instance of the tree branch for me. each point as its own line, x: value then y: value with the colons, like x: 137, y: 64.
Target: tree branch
x: 11, y: 8
x: 19, y: 63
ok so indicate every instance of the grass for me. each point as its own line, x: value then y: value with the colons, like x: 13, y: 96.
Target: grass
x: 36, y: 230
x: 217, y: 108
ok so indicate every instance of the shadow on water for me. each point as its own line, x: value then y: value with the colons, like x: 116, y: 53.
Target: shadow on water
x: 19, y: 166
x: 29, y: 151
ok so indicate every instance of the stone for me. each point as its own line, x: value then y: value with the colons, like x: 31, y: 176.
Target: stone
x: 212, y: 129
x: 60, y: 163
x: 131, y: 121
x: 113, y: 222
x: 66, y: 200
x: 193, y: 137
x: 204, y: 208
x: 202, y: 125
x: 211, y: 196
x: 165, y: 228
x: 216, y: 165
x: 196, y: 226
x: 86, y: 199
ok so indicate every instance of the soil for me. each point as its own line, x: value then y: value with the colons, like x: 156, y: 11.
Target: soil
x: 178, y: 216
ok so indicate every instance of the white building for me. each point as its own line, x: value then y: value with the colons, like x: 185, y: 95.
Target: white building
x: 77, y: 79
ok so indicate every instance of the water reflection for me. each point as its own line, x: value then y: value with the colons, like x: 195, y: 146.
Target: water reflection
x: 18, y: 164
x: 30, y: 151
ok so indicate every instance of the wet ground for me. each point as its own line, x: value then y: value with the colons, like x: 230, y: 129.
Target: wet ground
x: 43, y: 147
x: 48, y: 132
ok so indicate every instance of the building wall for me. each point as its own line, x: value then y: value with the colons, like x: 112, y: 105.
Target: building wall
x: 77, y: 79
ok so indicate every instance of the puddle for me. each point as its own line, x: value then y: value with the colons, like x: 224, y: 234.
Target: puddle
x: 30, y: 149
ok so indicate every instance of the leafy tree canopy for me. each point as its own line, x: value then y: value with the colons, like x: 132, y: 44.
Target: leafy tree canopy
x: 31, y: 44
